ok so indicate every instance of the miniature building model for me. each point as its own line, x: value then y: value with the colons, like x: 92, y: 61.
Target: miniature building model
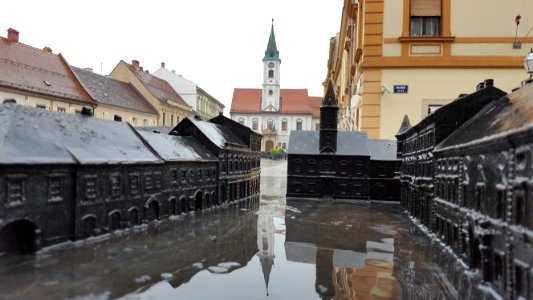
x: 65, y: 177
x: 331, y: 164
x: 479, y: 200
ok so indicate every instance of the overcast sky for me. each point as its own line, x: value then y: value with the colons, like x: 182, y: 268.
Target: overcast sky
x: 217, y: 44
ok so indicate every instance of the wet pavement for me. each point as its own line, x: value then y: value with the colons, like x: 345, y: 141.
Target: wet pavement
x: 279, y: 250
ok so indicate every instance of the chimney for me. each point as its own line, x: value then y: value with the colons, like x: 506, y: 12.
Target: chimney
x: 135, y: 63
x: 86, y: 111
x: 480, y: 86
x: 162, y: 65
x: 488, y: 82
x: 141, y: 68
x: 117, y: 118
x: 147, y: 72
x: 13, y: 35
x: 47, y: 49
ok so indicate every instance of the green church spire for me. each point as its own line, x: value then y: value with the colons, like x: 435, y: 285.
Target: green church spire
x: 272, y: 52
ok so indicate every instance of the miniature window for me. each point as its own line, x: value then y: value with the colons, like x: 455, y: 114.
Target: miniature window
x: 358, y: 168
x: 499, y: 268
x: 16, y: 191
x: 183, y: 175
x: 134, y: 183
x: 173, y: 176
x: 200, y: 175
x: 382, y: 171
x: 521, y: 280
x: 191, y: 175
x: 55, y: 188
x: 148, y: 181
x: 90, y: 187
x: 157, y: 179
x: 116, y: 187
x: 207, y: 175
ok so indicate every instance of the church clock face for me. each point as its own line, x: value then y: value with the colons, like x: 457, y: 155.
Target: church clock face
x: 271, y: 65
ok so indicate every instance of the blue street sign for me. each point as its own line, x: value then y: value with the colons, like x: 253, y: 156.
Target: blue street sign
x: 401, y: 89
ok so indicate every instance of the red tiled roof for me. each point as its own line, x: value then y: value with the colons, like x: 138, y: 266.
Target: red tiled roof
x: 293, y: 101
x: 315, y: 105
x: 30, y: 69
x: 157, y: 86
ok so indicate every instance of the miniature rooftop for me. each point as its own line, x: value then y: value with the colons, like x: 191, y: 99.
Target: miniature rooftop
x: 382, y: 149
x: 219, y: 135
x: 458, y: 108
x: 38, y: 136
x: 106, y: 90
x: 38, y: 71
x: 511, y: 113
x: 177, y: 148
x: 348, y: 143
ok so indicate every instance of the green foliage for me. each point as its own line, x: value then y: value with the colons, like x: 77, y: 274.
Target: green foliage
x: 276, y: 152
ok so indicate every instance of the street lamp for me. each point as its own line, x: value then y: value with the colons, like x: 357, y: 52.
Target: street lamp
x: 528, y: 63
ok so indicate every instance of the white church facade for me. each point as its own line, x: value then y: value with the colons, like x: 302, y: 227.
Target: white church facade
x: 272, y: 111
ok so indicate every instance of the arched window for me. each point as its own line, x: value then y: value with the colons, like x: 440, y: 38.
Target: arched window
x: 284, y: 125
x: 299, y: 124
x: 270, y: 124
x: 241, y: 121
x: 255, y: 124
x: 270, y: 73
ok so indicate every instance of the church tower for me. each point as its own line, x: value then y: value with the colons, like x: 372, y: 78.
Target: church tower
x: 271, y: 96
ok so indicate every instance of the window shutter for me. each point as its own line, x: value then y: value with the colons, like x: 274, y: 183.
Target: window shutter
x: 425, y: 8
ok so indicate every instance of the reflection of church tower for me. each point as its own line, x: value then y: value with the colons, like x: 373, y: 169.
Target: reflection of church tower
x: 265, y: 244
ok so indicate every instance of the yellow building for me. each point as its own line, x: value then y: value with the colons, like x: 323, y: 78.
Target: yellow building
x: 171, y: 107
x: 397, y: 57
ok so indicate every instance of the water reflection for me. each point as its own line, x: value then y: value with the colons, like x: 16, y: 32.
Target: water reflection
x: 352, y: 259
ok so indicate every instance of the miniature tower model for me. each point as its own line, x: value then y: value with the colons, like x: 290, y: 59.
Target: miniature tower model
x: 328, y: 122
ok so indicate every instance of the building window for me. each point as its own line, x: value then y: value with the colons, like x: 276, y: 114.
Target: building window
x: 284, y: 145
x: 116, y: 187
x: 15, y: 191
x: 40, y: 106
x: 157, y: 179
x: 171, y: 120
x: 61, y: 109
x: 134, y: 183
x: 255, y: 124
x: 164, y: 117
x: 270, y: 73
x: 241, y: 121
x: 173, y: 176
x: 317, y: 126
x: 90, y: 187
x: 284, y: 125
x: 299, y: 124
x: 183, y: 173
x: 270, y: 124
x: 134, y: 121
x: 145, y: 122
x: 148, y: 181
x: 425, y: 18
x: 55, y: 189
